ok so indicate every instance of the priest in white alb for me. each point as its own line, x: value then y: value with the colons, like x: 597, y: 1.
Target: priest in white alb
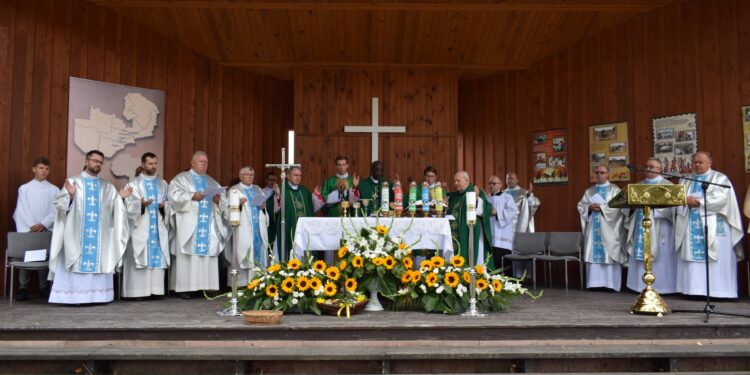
x: 252, y: 233
x: 603, y: 231
x: 89, y: 237
x: 526, y: 203
x: 504, y: 211
x: 200, y: 231
x: 147, y: 255
x: 664, y: 266
x: 724, y: 233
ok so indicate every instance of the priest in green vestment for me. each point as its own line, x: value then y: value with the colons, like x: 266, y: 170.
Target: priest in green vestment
x: 338, y: 188
x: 460, y: 227
x: 299, y: 202
x: 372, y: 187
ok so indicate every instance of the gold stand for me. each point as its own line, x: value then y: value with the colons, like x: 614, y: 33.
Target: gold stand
x: 649, y: 302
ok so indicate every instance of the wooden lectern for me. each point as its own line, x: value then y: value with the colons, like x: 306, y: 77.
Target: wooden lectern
x: 647, y: 197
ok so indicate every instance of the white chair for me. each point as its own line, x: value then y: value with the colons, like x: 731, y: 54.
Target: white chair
x: 18, y: 244
x: 564, y: 247
x: 527, y: 246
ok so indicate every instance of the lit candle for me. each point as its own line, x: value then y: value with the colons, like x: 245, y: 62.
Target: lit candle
x: 471, y: 207
x: 291, y: 147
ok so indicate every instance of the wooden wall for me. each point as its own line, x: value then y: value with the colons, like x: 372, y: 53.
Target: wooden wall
x: 687, y: 57
x: 235, y: 116
x: 425, y: 101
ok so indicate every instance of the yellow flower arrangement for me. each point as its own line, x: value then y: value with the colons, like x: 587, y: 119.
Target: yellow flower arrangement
x: 430, y: 279
x: 408, y: 263
x: 253, y: 283
x: 342, y: 265
x: 481, y: 285
x: 390, y: 262
x: 406, y: 277
x: 378, y: 261
x: 358, y: 262
x: 457, y: 261
x: 287, y: 285
x: 320, y: 266
x: 350, y: 285
x: 273, y: 268
x: 497, y: 285
x: 333, y: 273
x: 272, y: 291
x: 480, y: 269
x: 415, y: 276
x: 342, y: 251
x: 303, y: 284
x: 426, y: 264
x: 381, y: 229
x: 437, y: 261
x: 293, y: 264
x: 451, y: 279
x: 466, y: 276
x: 315, y: 283
x: 330, y: 289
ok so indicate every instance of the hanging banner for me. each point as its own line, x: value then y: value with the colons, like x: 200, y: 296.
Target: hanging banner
x: 675, y: 142
x: 549, y: 150
x: 608, y: 146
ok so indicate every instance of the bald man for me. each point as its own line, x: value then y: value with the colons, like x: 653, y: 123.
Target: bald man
x: 724, y: 233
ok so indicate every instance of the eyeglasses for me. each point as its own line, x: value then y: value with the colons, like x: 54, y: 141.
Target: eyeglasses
x: 600, y: 172
x: 494, y: 183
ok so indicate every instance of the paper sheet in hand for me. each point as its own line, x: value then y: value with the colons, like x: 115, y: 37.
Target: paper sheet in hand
x: 212, y: 191
x: 596, y: 198
x: 35, y: 255
x: 258, y: 200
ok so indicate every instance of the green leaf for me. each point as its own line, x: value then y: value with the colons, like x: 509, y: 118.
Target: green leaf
x: 430, y: 302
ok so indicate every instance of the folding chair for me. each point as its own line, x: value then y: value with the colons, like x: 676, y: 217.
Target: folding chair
x: 527, y: 246
x: 564, y: 247
x: 18, y: 244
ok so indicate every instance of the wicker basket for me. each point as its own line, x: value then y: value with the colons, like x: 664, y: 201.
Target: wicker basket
x: 262, y: 316
x: 334, y: 309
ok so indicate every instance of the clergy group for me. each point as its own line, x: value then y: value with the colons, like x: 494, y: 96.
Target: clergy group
x: 152, y: 230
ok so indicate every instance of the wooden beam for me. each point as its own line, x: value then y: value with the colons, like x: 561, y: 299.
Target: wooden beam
x: 437, y: 6
x: 367, y: 65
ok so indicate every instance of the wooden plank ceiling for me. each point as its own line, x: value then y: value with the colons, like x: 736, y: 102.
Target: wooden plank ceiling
x: 475, y: 37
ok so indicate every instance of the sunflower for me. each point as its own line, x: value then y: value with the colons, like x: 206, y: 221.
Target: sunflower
x: 497, y: 285
x: 361, y: 298
x: 467, y: 277
x: 287, y: 285
x: 253, y: 284
x: 378, y: 261
x: 350, y: 284
x: 330, y: 289
x: 303, y: 283
x: 437, y: 261
x: 408, y: 263
x: 333, y: 273
x: 390, y: 262
x: 457, y: 261
x: 479, y: 268
x: 481, y: 284
x: 272, y: 291
x: 315, y: 283
x: 415, y: 277
x: 342, y: 251
x: 426, y: 264
x: 406, y: 277
x: 320, y: 266
x: 342, y: 265
x: 293, y: 264
x: 274, y: 268
x: 358, y: 262
x: 430, y: 279
x: 451, y: 279
x: 381, y: 229
x: 402, y: 246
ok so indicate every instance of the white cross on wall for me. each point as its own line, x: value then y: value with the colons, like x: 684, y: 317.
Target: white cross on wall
x: 374, y: 129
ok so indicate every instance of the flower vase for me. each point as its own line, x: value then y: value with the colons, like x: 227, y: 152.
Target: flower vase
x: 373, y: 304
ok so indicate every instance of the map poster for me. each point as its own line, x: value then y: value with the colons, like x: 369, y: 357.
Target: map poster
x: 549, y: 151
x: 608, y: 145
x: 675, y: 142
x: 746, y: 136
x: 123, y: 122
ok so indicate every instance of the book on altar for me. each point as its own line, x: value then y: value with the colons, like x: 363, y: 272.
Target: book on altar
x: 597, y: 199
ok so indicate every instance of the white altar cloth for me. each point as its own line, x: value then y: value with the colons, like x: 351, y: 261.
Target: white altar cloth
x: 325, y: 233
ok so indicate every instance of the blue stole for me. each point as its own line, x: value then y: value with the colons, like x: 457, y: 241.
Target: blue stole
x: 255, y: 218
x: 598, y: 252
x: 154, y: 245
x: 203, y: 225
x: 90, y: 235
x: 697, y: 238
x: 638, y: 247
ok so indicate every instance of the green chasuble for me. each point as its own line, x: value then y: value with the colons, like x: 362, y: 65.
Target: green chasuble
x: 331, y: 185
x: 460, y: 229
x: 298, y: 203
x: 370, y: 190
x: 270, y: 208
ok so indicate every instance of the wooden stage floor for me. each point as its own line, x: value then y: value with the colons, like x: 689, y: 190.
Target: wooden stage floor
x: 581, y: 331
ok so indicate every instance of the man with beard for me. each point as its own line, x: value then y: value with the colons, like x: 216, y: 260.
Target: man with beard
x: 147, y: 255
x: 89, y: 237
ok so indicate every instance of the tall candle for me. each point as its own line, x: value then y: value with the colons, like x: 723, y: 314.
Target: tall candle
x: 425, y: 197
x: 385, y: 198
x: 438, y: 198
x: 291, y: 147
x: 413, y: 197
x: 471, y: 207
x: 234, y: 207
x: 398, y: 196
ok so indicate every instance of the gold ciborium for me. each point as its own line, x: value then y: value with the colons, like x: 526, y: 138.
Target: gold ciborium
x: 345, y: 208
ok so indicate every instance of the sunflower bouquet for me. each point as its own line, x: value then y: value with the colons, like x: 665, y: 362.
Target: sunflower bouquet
x: 376, y: 256
x: 437, y: 285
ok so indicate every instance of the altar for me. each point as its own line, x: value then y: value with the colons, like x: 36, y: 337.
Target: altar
x: 325, y: 233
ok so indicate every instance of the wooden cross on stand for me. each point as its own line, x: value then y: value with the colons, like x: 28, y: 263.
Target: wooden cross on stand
x: 374, y: 129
